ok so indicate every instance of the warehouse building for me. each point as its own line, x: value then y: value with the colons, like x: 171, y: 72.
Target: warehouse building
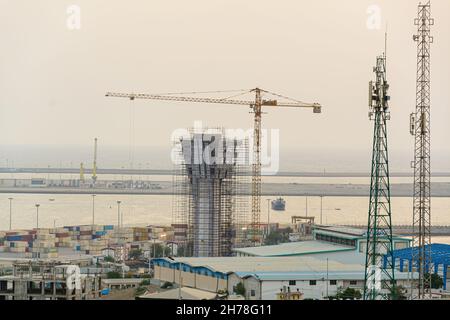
x: 440, y: 261
x: 343, y: 244
x: 265, y: 277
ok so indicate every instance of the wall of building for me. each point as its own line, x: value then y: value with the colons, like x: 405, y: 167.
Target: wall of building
x: 164, y: 274
x: 310, y: 291
x: 188, y: 278
x: 256, y: 289
x: 233, y: 280
x: 195, y: 279
x: 206, y: 283
x: 252, y: 288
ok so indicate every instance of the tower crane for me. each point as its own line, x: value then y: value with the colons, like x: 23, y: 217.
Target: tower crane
x: 256, y: 108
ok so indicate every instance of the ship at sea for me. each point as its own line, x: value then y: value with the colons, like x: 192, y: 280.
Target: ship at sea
x: 279, y: 204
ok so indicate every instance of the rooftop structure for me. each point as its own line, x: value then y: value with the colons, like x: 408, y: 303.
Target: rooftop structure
x: 37, y: 280
x: 344, y: 244
x: 293, y: 249
x: 439, y: 263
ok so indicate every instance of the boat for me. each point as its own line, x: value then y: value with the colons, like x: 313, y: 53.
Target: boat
x: 279, y: 204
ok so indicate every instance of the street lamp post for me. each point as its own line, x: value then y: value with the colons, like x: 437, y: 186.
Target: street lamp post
x: 10, y: 213
x: 37, y: 215
x: 321, y: 208
x: 268, y: 216
x: 93, y: 209
x: 335, y: 209
x: 327, y: 278
x: 118, y: 214
x: 306, y: 205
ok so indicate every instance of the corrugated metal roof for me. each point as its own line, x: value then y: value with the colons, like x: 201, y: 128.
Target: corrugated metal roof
x: 186, y: 294
x: 281, y: 268
x: 344, y: 230
x: 294, y: 248
x: 440, y: 253
x: 267, y: 264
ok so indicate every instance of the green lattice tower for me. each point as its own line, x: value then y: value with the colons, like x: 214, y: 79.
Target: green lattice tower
x: 379, y: 268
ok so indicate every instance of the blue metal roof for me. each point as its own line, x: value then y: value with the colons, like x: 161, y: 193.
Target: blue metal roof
x: 440, y: 253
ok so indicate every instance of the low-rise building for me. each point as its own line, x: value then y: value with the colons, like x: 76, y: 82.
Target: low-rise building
x: 38, y: 280
x: 343, y: 244
x: 266, y: 277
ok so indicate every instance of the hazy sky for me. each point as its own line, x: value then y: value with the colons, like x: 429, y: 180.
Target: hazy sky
x: 53, y: 79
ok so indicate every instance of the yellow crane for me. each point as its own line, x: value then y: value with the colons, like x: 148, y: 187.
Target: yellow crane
x: 256, y: 108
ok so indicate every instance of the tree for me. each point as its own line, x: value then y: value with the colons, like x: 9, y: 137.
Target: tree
x: 436, y: 281
x: 277, y: 237
x: 347, y: 294
x: 161, y: 251
x: 140, y: 291
x: 145, y: 282
x: 113, y: 275
x: 181, y: 250
x: 240, y: 289
x: 109, y: 259
x: 135, y: 254
x: 398, y: 293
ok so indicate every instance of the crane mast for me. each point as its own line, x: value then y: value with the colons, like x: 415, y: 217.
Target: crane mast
x: 256, y: 169
x: 256, y: 106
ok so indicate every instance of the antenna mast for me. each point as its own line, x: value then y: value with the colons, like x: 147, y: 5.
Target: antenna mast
x: 420, y: 129
x: 379, y: 267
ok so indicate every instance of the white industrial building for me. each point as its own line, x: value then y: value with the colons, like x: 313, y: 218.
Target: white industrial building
x: 343, y: 244
x: 315, y: 268
x: 265, y: 277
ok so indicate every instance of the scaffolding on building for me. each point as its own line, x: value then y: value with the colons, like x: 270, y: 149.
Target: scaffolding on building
x: 210, y: 201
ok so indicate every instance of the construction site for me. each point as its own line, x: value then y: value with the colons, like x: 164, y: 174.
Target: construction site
x: 219, y: 245
x: 210, y: 207
x: 48, y: 281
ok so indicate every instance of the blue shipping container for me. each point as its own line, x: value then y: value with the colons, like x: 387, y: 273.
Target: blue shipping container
x: 14, y: 238
x: 105, y: 292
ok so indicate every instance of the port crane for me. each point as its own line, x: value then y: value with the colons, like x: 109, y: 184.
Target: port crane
x: 256, y: 108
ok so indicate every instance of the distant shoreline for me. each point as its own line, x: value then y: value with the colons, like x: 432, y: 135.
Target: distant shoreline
x: 439, y: 190
x: 155, y: 172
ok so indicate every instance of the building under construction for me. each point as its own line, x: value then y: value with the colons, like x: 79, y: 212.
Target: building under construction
x: 210, y: 211
x: 41, y: 280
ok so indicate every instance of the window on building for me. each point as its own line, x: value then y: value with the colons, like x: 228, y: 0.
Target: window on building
x: 312, y: 282
x: 333, y: 282
x: 353, y: 282
x: 252, y: 293
x: 292, y: 282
